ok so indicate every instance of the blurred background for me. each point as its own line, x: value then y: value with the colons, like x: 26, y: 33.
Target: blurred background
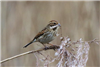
x: 21, y: 21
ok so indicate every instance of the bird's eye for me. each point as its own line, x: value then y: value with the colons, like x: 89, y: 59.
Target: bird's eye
x: 54, y: 23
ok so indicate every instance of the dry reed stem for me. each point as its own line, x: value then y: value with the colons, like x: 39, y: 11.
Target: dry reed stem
x: 29, y: 52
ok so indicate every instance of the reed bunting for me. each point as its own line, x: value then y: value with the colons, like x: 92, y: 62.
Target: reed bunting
x: 47, y: 34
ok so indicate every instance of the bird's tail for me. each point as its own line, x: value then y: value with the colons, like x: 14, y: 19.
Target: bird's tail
x: 28, y: 44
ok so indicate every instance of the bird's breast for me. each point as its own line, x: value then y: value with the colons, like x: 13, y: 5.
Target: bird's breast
x: 47, y: 37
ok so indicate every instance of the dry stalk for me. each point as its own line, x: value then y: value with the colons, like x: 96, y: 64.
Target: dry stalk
x: 30, y: 52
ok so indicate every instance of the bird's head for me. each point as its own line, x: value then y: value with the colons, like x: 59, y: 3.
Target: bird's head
x: 54, y: 25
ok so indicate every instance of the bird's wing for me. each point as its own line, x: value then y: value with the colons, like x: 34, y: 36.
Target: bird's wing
x: 39, y: 34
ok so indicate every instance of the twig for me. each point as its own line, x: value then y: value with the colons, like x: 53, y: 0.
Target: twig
x: 29, y: 52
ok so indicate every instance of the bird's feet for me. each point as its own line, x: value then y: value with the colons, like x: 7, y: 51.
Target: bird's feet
x: 45, y: 48
x: 53, y: 46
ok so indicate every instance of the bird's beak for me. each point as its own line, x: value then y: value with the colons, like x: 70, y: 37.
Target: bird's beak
x: 59, y: 25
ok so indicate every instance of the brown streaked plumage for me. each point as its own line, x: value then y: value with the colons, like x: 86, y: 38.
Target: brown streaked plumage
x: 47, y: 34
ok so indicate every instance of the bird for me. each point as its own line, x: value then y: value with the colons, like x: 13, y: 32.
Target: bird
x: 46, y: 35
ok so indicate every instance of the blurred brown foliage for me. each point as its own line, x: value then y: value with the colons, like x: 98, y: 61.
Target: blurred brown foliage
x: 21, y: 21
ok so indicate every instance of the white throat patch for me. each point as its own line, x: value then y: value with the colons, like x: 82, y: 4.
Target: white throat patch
x: 53, y: 26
